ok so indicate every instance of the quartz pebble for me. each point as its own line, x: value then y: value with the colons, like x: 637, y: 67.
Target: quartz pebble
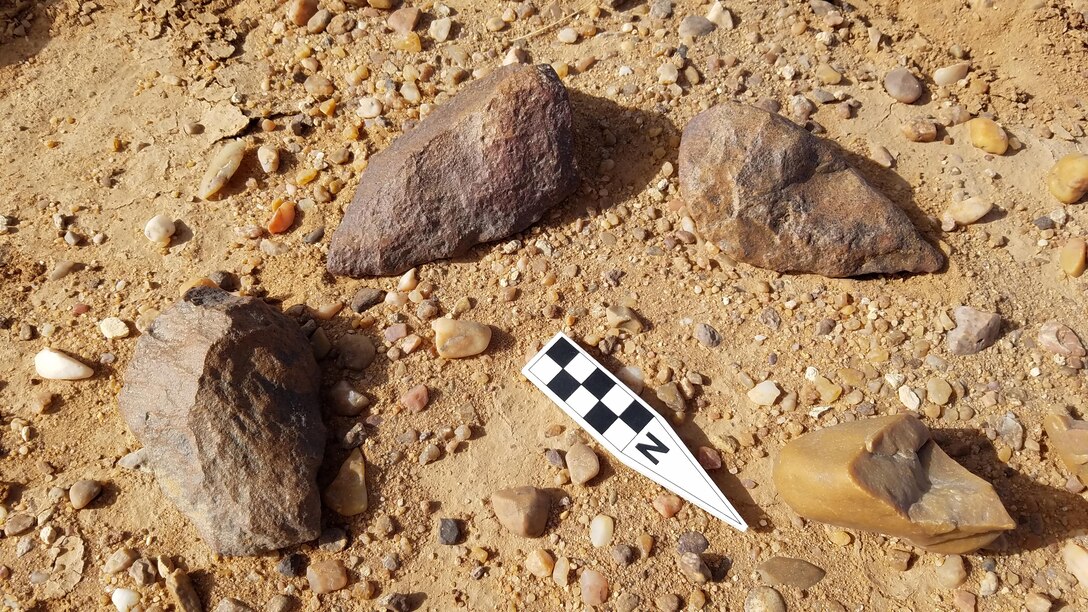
x: 938, y: 391
x: 159, y: 229
x: 600, y: 530
x: 327, y: 576
x: 1061, y: 340
x: 459, y: 339
x: 919, y: 130
x: 765, y: 393
x: 346, y: 494
x: 345, y: 400
x: 120, y: 561
x: 540, y: 563
x: 975, y: 330
x: 113, y: 328
x: 567, y: 36
x: 902, y: 85
x: 970, y: 210
x: 269, y: 158
x: 1068, y: 179
x: 667, y: 504
x: 951, y: 572
x: 83, y: 492
x: 582, y: 463
x: 594, y: 587
x: 987, y: 135
x: 124, y: 599
x: 1036, y: 602
x: 222, y: 167
x: 416, y: 398
x: 949, y: 75
x: 54, y: 365
x: 299, y: 12
x: 764, y: 599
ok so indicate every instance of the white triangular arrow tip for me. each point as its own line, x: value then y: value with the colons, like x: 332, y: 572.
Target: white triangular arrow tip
x: 626, y: 426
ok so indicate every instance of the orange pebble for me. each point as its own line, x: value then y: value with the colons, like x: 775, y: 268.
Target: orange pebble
x: 282, y: 218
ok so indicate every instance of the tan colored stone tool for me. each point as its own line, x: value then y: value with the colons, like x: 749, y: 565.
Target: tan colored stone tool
x: 887, y: 475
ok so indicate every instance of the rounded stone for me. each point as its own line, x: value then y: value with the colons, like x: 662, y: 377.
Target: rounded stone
x: 83, y: 493
x: 582, y: 463
x: 764, y: 599
x: 902, y: 85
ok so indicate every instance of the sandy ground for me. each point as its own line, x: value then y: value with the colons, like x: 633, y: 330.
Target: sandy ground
x: 94, y: 100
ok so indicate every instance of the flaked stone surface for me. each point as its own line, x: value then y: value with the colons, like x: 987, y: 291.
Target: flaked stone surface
x: 1068, y: 438
x: 887, y: 475
x: 483, y: 166
x: 774, y: 196
x: 222, y: 391
x: 522, y: 510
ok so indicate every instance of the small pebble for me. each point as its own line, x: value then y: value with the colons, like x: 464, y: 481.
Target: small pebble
x: 951, y: 572
x: 55, y: 365
x: 600, y: 530
x: 222, y: 167
x: 327, y: 576
x: 269, y: 158
x: 449, y: 532
x: 83, y: 493
x: 902, y: 85
x: 1068, y: 179
x: 968, y: 211
x: 113, y: 328
x: 159, y: 229
x: 950, y: 75
x: 540, y: 563
x: 1071, y: 258
x: 707, y: 335
x: 456, y: 339
x: 765, y: 393
x: 594, y: 587
x: 764, y: 599
x: 416, y: 399
x: 919, y: 130
x: 694, y: 26
x: 582, y: 463
x: 667, y: 505
x: 987, y: 135
x: 124, y: 599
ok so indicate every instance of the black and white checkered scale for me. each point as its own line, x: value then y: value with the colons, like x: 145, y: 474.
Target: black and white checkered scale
x: 622, y: 422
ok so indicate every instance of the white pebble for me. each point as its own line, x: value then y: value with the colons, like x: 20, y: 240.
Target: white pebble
x: 159, y: 229
x: 222, y: 167
x: 269, y: 158
x: 440, y: 29
x: 113, y: 327
x: 369, y: 108
x: 568, y: 36
x: 55, y: 365
x: 949, y: 75
x: 600, y: 530
x: 408, y: 281
x: 765, y: 393
x: 125, y: 599
x: 909, y: 398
